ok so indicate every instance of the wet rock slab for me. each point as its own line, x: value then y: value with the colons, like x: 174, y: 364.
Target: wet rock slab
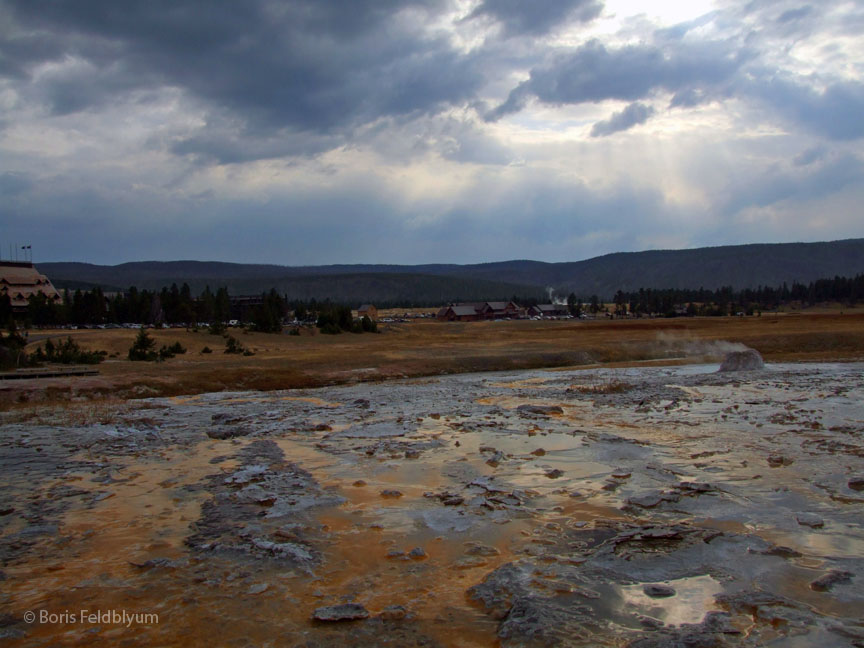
x: 658, y: 591
x: 250, y: 508
x: 229, y: 432
x: 343, y: 612
x: 748, y: 360
x: 832, y: 578
x: 810, y: 519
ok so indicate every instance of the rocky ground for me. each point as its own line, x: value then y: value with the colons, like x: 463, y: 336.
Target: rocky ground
x: 633, y: 507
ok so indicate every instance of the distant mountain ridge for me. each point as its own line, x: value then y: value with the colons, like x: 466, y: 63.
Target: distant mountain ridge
x: 739, y: 266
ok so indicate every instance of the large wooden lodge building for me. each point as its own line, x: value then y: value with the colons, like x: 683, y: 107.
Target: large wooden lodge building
x: 20, y: 279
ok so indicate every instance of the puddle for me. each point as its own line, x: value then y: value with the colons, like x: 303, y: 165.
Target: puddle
x: 692, y: 599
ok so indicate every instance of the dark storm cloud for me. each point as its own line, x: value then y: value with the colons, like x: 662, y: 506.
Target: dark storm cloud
x: 594, y: 73
x: 699, y: 71
x: 634, y: 114
x: 541, y: 217
x: 792, y: 15
x: 689, y: 97
x: 810, y: 182
x: 834, y: 112
x: 114, y: 109
x: 786, y: 21
x: 810, y: 156
x: 462, y: 141
x: 518, y: 17
x: 228, y: 143
x: 12, y: 184
x: 308, y: 65
x: 79, y: 86
x: 274, y: 77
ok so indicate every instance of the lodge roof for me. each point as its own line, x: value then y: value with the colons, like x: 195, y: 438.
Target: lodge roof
x: 499, y: 305
x: 464, y: 310
x: 21, y: 280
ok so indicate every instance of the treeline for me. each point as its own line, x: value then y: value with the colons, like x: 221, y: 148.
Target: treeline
x: 177, y: 306
x: 149, y: 307
x: 169, y: 306
x: 726, y: 301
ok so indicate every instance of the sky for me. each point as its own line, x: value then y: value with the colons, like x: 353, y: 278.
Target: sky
x: 307, y: 132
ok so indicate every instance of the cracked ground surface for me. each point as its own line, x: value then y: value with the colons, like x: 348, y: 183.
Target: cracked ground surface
x: 641, y: 507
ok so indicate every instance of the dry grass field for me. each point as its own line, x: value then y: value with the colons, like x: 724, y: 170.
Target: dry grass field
x: 424, y: 347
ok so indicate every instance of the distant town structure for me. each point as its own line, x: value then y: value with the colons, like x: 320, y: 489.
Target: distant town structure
x: 458, y: 313
x: 548, y: 310
x: 500, y: 310
x: 368, y: 310
x: 242, y: 306
x: 473, y: 312
x: 20, y: 280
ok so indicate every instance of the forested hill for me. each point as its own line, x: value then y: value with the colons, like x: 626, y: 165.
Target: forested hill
x: 739, y: 266
x: 379, y: 288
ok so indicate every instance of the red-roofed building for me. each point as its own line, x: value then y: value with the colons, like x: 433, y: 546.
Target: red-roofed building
x: 459, y: 313
x: 472, y: 312
x: 499, y: 310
